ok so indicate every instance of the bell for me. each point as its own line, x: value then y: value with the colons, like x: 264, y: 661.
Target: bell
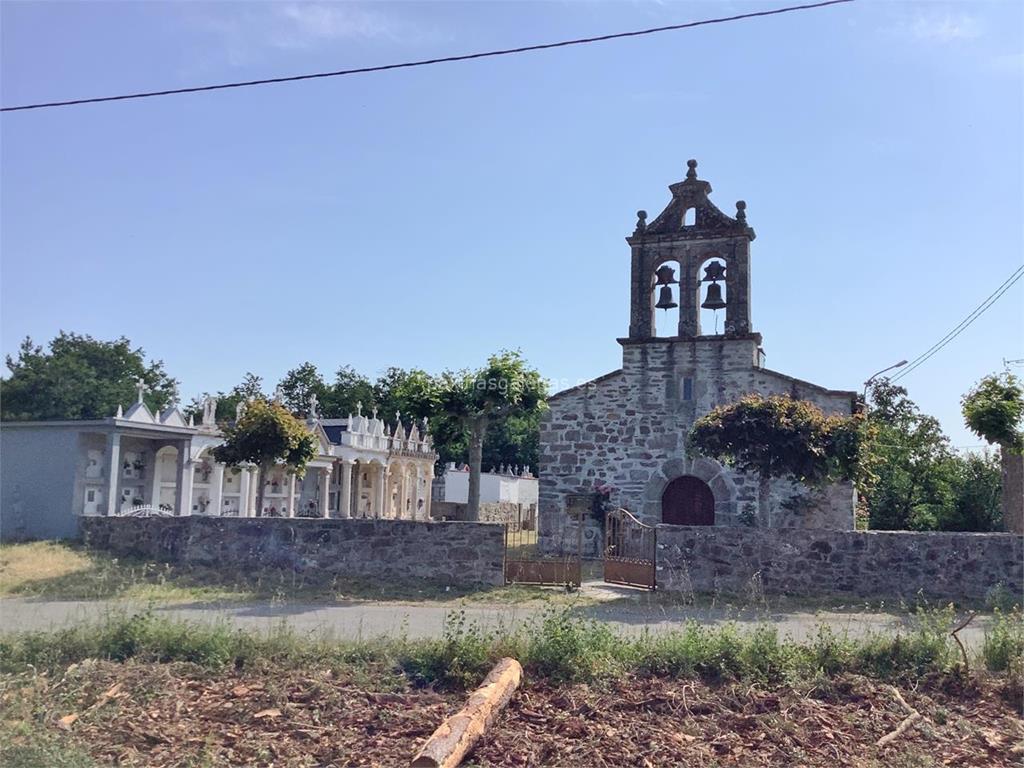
x: 666, y: 275
x: 714, y: 271
x: 665, y: 298
x: 714, y: 297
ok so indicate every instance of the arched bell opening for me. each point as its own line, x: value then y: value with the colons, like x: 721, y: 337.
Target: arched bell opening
x: 688, y: 500
x: 665, y: 287
x: 711, y: 297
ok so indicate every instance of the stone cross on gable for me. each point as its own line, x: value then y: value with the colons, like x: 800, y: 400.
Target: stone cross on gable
x: 359, y: 407
x: 141, y: 388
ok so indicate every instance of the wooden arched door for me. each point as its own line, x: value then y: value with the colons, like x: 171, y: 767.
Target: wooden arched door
x: 688, y: 500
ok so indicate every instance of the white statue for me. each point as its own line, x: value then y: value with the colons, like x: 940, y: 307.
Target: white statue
x: 209, y: 410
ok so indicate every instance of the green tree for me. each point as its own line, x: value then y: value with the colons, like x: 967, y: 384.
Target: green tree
x: 81, y: 378
x: 915, y: 468
x: 976, y: 485
x: 514, y: 440
x: 994, y: 410
x: 299, y: 384
x: 350, y: 389
x: 505, y: 387
x: 414, y: 393
x: 779, y: 437
x: 265, y: 434
x: 227, y: 402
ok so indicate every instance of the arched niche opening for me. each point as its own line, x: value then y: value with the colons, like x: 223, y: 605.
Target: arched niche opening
x: 712, y: 297
x: 688, y: 500
x: 690, y: 217
x: 665, y: 299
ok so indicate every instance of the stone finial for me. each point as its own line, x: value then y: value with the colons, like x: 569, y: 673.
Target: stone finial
x: 741, y: 211
x: 239, y: 410
x: 373, y: 413
x: 426, y: 425
x: 641, y: 222
x: 191, y: 419
x: 140, y: 388
x: 691, y: 172
x: 278, y: 394
x: 120, y: 412
x: 359, y: 407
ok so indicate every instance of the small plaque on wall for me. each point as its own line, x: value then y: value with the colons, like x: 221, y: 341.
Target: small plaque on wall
x: 579, y: 504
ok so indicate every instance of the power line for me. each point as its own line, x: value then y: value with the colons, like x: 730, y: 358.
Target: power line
x: 964, y: 324
x: 423, y: 62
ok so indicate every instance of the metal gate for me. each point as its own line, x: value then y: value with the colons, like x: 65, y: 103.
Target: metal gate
x: 629, y: 548
x: 529, y: 561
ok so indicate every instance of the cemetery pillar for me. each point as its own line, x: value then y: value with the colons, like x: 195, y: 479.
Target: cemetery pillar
x: 217, y: 490
x: 345, y: 495
x: 113, y: 473
x: 183, y: 498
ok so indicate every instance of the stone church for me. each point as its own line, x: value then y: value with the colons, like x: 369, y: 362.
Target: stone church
x: 621, y: 438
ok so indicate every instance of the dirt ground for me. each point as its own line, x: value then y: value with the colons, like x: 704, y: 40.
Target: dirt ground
x: 160, y: 715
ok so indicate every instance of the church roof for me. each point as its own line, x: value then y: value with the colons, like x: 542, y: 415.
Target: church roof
x: 692, y: 194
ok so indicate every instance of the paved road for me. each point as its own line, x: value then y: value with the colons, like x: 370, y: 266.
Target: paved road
x: 361, y: 620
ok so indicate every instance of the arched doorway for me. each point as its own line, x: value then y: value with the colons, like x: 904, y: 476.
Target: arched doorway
x: 688, y: 500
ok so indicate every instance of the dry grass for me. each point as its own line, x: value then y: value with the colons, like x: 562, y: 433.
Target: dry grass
x: 23, y: 564
x: 63, y: 571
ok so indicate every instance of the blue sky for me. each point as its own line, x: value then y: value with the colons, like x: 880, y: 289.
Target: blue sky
x: 429, y: 217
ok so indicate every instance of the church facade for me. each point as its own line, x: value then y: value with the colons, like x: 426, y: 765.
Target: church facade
x: 620, y: 440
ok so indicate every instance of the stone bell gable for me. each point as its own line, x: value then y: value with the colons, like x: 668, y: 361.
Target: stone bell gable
x: 623, y: 434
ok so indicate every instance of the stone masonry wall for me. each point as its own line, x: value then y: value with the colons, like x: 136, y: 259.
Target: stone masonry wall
x: 451, y: 552
x: 821, y: 562
x: 519, y: 515
x: 628, y: 430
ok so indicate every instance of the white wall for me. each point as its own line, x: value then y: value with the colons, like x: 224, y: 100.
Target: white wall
x: 493, y: 487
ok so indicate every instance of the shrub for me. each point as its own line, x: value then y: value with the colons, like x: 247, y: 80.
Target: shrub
x: 1003, y: 647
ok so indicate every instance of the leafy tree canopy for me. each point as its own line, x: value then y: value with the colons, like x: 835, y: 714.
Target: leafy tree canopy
x: 80, y: 377
x: 919, y: 482
x: 267, y: 433
x: 505, y: 388
x: 778, y: 437
x: 297, y: 386
x: 994, y: 410
x: 250, y: 387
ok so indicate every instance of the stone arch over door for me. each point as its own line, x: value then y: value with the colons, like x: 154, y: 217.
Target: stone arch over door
x: 706, y: 470
x: 688, y: 500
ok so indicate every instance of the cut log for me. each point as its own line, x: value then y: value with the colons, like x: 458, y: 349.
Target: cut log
x: 457, y: 735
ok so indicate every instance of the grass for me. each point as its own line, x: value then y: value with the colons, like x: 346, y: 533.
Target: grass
x: 66, y: 571
x: 556, y: 646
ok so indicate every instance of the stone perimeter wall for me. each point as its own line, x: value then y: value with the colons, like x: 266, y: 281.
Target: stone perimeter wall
x: 520, y: 516
x: 452, y: 552
x: 822, y: 562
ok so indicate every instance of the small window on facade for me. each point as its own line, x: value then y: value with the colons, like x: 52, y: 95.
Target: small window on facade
x: 689, y: 217
x: 91, y: 496
x: 687, y: 388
